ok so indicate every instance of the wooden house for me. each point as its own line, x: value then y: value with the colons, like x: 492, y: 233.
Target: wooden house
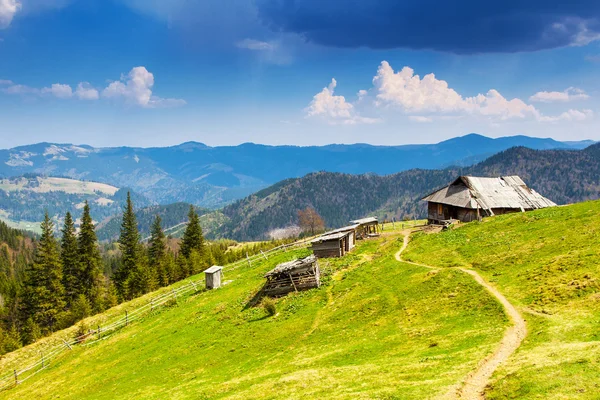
x: 366, y: 227
x: 335, y: 243
x: 213, y: 277
x: 470, y: 198
x: 293, y: 276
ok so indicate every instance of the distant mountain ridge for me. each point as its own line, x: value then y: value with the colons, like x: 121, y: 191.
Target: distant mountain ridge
x: 564, y: 176
x: 215, y: 176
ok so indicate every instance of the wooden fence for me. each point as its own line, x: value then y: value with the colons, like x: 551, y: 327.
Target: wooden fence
x: 9, y: 379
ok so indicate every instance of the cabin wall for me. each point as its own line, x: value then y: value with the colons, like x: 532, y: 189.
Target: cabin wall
x: 330, y: 248
x: 437, y: 212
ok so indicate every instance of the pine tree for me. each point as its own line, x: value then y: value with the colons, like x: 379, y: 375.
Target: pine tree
x: 157, y: 246
x: 90, y: 260
x: 43, y: 291
x: 129, y: 244
x: 192, y: 237
x: 69, y: 256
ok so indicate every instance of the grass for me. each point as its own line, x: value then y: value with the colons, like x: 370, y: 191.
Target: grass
x: 376, y: 328
x: 546, y: 263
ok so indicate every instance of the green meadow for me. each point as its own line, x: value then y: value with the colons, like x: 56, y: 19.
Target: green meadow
x: 376, y: 328
x: 546, y: 263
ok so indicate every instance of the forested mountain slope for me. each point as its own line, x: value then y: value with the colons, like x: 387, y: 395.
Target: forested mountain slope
x: 564, y: 176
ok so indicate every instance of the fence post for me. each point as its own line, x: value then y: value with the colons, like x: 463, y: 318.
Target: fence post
x: 248, y: 258
x: 174, y: 294
x: 42, y: 356
x: 67, y: 344
x: 126, y: 318
x: 194, y: 285
x: 263, y: 254
x: 99, y: 332
x: 151, y: 303
x: 16, y: 378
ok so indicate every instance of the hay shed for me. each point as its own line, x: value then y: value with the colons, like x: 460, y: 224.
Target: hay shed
x: 333, y: 244
x: 213, y: 277
x: 470, y: 198
x: 291, y: 276
x: 366, y: 227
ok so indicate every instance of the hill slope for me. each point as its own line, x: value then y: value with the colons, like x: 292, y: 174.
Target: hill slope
x: 214, y: 176
x: 375, y: 328
x: 24, y: 200
x: 564, y: 176
x: 546, y: 263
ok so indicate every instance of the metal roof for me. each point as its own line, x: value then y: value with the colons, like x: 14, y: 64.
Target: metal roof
x: 343, y: 229
x: 488, y: 193
x: 213, y: 269
x: 292, y: 265
x: 362, y: 221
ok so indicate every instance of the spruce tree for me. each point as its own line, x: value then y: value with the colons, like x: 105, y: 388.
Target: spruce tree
x: 69, y: 256
x: 90, y: 260
x: 157, y: 253
x: 192, y: 237
x: 129, y: 244
x: 42, y: 288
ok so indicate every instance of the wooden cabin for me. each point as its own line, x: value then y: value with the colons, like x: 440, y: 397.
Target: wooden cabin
x: 296, y: 275
x: 366, y: 227
x: 213, y: 277
x: 334, y: 243
x: 471, y: 198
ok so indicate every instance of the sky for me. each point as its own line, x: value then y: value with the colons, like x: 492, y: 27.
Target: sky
x: 303, y: 72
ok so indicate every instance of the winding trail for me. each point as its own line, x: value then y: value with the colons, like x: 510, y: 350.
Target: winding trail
x: 476, y: 381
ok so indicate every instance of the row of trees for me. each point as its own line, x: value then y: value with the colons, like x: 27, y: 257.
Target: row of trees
x: 67, y: 279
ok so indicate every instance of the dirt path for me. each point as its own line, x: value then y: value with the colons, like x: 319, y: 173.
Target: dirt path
x: 476, y: 382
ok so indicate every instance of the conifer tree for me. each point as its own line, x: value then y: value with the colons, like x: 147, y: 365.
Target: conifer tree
x: 129, y: 244
x: 157, y: 253
x: 69, y: 256
x: 43, y: 291
x: 192, y: 237
x: 90, y: 260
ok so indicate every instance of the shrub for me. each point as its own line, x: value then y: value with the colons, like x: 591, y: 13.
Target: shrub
x: 269, y: 306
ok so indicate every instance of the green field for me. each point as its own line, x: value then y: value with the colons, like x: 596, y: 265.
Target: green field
x: 376, y: 328
x: 547, y: 263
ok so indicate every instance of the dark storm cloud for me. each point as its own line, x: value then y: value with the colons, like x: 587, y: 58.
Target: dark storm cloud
x: 453, y: 26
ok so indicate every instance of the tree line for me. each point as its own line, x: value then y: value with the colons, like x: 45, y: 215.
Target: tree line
x: 55, y: 282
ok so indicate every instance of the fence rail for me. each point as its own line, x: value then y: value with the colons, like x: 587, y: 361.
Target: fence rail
x: 11, y: 379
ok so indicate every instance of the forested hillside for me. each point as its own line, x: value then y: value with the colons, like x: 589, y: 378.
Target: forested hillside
x: 564, y: 176
x: 171, y: 215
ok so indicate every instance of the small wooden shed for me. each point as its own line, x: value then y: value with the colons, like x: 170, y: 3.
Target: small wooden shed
x: 213, y: 277
x: 366, y: 227
x: 296, y: 275
x: 334, y: 244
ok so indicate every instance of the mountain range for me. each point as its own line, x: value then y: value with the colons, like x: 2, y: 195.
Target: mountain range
x: 564, y: 176
x: 216, y: 176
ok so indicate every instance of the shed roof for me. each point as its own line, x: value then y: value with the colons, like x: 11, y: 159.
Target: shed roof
x: 330, y: 236
x: 213, y: 269
x: 343, y: 229
x: 487, y: 193
x: 290, y: 266
x: 363, y: 221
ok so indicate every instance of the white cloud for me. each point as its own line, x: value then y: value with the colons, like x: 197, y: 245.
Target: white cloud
x: 20, y: 90
x: 85, y: 91
x: 5, y: 82
x: 570, y: 115
x: 569, y: 94
x: 335, y: 109
x: 413, y: 94
x: 136, y: 89
x: 8, y: 9
x: 253, y: 44
x: 59, y: 90
x: 420, y: 118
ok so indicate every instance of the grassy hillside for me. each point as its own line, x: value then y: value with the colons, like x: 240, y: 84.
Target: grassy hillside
x: 546, y: 263
x: 564, y: 176
x: 376, y: 328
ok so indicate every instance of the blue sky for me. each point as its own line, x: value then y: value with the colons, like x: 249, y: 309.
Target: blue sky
x: 157, y: 72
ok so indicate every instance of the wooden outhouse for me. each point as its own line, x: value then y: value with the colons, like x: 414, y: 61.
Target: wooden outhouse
x: 213, y: 277
x: 293, y: 276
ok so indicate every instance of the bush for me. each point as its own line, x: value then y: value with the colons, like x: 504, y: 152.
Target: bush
x: 269, y: 306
